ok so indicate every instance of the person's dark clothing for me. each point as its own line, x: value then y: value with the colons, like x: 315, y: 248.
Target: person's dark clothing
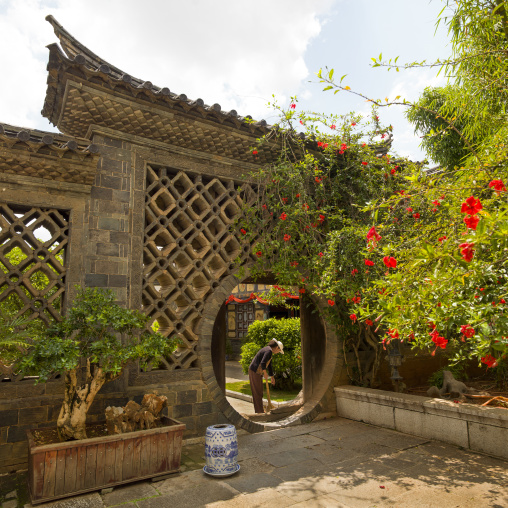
x: 262, y: 358
x: 256, y: 387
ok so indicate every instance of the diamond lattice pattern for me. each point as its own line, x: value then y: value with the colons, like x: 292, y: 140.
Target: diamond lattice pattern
x: 33, y: 242
x: 190, y: 246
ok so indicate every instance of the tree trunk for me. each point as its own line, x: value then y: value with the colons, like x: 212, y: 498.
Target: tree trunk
x: 77, y: 401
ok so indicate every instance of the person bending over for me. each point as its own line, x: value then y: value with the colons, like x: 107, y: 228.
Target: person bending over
x: 259, y: 368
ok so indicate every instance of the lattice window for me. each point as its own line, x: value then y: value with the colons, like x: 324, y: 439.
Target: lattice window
x: 32, y: 265
x: 244, y: 318
x: 189, y: 247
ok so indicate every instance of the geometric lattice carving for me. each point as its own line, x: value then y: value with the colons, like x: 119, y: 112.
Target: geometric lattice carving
x: 32, y: 266
x: 189, y: 247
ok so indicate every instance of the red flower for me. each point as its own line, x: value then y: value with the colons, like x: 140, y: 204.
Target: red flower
x: 436, y: 203
x: 368, y: 262
x: 392, y: 171
x: 368, y: 322
x: 467, y: 251
x: 502, y: 300
x: 284, y: 200
x: 442, y: 239
x: 356, y: 299
x: 373, y: 236
x: 293, y: 105
x: 318, y: 180
x: 353, y: 271
x: 321, y: 218
x: 351, y: 316
x: 301, y: 291
x: 416, y: 215
x: 331, y: 302
x: 301, y: 122
x: 353, y: 124
x: 265, y: 207
x: 467, y: 332
x: 320, y: 143
x: 287, y: 237
x: 498, y: 186
x: 438, y: 341
x: 283, y: 216
x: 320, y: 254
x: 314, y: 224
x: 471, y: 206
x: 259, y: 253
x: 409, y: 209
x: 333, y: 126
x: 364, y: 163
x: 305, y: 206
x: 294, y: 263
x: 394, y: 334
x: 254, y: 152
x: 390, y: 262
x: 471, y: 221
x: 297, y: 196
x: 489, y: 361
x: 243, y: 231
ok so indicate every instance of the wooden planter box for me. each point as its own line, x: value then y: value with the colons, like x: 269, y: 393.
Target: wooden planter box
x: 73, y: 467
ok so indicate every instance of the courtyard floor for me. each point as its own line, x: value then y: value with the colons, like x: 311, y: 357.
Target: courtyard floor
x: 329, y: 463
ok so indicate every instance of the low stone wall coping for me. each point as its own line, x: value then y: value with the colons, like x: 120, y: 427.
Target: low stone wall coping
x: 472, y: 412
x: 481, y: 429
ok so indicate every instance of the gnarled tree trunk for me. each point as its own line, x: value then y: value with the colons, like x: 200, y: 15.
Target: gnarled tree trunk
x: 77, y: 401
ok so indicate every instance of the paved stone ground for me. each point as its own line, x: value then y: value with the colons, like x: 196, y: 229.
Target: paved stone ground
x: 330, y: 463
x: 234, y: 372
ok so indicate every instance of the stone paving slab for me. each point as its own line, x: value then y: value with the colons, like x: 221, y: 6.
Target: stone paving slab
x: 93, y: 500
x: 199, y: 495
x: 133, y: 492
x: 333, y: 463
x: 261, y: 498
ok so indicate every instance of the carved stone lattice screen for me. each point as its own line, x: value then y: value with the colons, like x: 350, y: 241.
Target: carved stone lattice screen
x: 32, y: 264
x: 189, y: 247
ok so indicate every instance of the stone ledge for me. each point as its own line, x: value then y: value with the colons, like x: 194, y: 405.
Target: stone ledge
x: 468, y: 425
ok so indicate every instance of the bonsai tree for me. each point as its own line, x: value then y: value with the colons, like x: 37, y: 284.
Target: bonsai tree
x: 90, y: 347
x: 286, y: 367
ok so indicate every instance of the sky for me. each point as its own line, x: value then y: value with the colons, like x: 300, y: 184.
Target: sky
x: 237, y: 53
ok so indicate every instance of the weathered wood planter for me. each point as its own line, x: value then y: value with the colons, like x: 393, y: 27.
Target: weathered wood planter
x: 73, y: 467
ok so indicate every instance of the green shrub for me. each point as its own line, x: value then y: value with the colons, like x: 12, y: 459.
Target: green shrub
x: 287, y: 367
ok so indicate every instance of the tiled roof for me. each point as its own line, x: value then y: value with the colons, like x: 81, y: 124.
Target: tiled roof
x: 45, y: 155
x: 36, y: 139
x: 79, y: 54
x: 192, y: 124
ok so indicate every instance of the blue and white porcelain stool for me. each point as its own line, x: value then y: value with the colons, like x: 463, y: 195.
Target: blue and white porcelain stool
x: 221, y: 450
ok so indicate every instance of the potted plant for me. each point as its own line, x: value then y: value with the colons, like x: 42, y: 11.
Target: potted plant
x: 90, y: 347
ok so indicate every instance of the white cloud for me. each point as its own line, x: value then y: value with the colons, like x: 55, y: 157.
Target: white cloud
x: 234, y: 52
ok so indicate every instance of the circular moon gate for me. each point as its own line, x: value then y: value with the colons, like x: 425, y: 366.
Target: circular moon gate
x: 319, y: 358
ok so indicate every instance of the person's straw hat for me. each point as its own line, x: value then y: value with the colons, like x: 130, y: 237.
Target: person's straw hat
x: 281, y: 347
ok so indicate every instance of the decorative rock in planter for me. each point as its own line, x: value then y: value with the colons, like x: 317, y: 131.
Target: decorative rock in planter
x: 221, y: 450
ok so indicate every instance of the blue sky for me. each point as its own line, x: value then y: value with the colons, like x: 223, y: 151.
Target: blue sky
x: 234, y: 52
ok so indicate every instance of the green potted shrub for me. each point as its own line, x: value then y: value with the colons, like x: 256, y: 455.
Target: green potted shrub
x: 90, y: 347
